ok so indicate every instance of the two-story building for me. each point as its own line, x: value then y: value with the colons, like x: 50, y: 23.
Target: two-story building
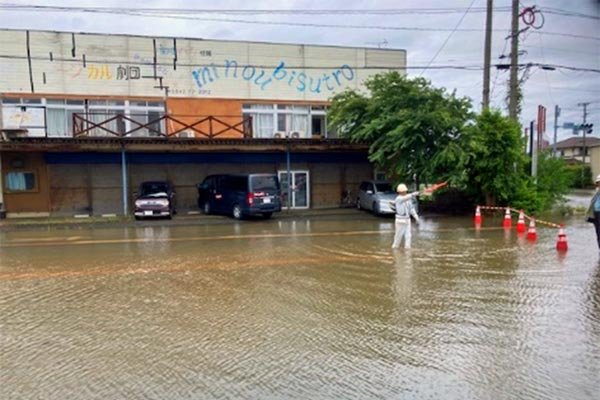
x: 87, y: 117
x: 572, y: 149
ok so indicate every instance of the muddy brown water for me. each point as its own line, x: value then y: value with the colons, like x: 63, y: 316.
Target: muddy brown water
x: 316, y: 308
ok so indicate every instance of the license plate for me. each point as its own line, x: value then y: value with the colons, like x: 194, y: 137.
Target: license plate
x: 266, y: 200
x: 147, y: 212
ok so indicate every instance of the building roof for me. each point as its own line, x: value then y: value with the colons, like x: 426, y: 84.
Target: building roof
x: 577, y: 141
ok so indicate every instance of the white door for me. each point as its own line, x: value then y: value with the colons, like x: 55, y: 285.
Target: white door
x: 300, y: 185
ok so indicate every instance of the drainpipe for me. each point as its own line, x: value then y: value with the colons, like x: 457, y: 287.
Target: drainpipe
x: 2, y: 210
x: 289, y: 176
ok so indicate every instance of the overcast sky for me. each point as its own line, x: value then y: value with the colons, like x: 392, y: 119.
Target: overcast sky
x: 548, y: 88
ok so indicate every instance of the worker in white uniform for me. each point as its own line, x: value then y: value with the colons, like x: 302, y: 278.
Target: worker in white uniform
x: 404, y: 210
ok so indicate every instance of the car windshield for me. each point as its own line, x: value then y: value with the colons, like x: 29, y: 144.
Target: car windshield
x: 384, y: 187
x: 264, y: 183
x: 156, y: 189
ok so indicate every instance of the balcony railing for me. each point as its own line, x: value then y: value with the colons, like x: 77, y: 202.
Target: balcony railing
x: 143, y: 125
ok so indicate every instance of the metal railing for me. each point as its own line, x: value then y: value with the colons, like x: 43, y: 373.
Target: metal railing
x: 121, y: 125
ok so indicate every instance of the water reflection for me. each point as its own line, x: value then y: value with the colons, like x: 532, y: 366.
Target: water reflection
x: 306, y: 308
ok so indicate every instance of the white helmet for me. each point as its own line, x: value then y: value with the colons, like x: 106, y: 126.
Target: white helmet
x: 401, y: 188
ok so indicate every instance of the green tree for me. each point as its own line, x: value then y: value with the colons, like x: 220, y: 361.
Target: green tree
x: 549, y: 187
x: 497, y: 159
x: 412, y: 128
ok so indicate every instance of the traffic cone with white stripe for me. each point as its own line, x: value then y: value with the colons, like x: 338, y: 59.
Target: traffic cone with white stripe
x: 531, y: 233
x: 507, y: 223
x: 477, y: 216
x: 561, y: 244
x: 521, y: 222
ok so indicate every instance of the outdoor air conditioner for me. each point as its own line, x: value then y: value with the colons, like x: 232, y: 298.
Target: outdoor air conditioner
x: 295, y: 134
x: 186, y: 134
x: 279, y: 135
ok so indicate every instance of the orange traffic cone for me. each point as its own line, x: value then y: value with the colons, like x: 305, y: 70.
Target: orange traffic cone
x: 531, y: 233
x: 477, y: 216
x: 521, y: 222
x: 507, y: 223
x: 561, y: 244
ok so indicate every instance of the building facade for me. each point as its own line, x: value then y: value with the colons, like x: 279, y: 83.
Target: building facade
x: 595, y: 161
x: 572, y: 149
x: 86, y: 118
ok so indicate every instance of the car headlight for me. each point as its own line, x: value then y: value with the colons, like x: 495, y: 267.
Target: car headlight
x: 162, y: 202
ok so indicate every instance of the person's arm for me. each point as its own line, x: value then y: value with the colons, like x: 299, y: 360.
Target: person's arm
x: 414, y: 214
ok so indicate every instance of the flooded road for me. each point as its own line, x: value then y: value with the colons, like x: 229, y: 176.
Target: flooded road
x: 316, y: 308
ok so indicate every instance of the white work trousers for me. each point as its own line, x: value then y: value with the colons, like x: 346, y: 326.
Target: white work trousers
x: 403, y: 229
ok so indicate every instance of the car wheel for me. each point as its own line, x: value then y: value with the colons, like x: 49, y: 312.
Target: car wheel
x: 267, y: 215
x: 206, y: 208
x: 137, y: 218
x: 376, y: 208
x: 237, y: 212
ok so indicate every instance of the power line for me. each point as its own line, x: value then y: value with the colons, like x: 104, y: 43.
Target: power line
x: 566, y: 13
x: 448, y: 37
x: 135, y: 12
x: 371, y: 11
x: 187, y: 11
x: 472, y: 67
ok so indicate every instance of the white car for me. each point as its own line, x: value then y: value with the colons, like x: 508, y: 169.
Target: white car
x: 376, y: 196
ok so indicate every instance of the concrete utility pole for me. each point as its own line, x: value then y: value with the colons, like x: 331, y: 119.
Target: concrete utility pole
x: 514, y: 61
x: 487, y: 55
x: 556, y: 115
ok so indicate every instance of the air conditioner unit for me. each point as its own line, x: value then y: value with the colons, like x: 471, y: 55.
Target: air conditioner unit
x: 295, y: 134
x: 186, y: 134
x: 279, y: 135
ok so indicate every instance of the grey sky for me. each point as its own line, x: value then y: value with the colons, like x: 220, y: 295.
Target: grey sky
x: 565, y: 88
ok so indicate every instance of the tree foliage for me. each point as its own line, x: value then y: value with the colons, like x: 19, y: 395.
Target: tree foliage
x: 412, y: 127
x: 497, y: 158
x: 549, y: 187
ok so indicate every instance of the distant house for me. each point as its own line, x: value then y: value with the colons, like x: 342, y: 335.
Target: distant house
x: 595, y: 160
x: 571, y: 150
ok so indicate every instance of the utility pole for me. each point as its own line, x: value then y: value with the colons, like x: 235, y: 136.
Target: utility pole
x: 584, y: 105
x: 556, y: 115
x: 514, y: 61
x: 487, y: 55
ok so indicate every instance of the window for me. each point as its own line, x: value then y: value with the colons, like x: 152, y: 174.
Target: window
x: 21, y: 182
x: 384, y: 187
x: 59, y: 115
x: 264, y: 183
x: 380, y: 176
x: 268, y: 119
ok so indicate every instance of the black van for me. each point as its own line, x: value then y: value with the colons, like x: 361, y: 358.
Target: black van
x: 240, y: 195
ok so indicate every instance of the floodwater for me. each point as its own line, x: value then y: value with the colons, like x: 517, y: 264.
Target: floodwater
x: 317, y: 308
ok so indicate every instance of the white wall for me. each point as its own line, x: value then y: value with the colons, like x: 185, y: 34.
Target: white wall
x: 124, y: 66
x: 595, y: 161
